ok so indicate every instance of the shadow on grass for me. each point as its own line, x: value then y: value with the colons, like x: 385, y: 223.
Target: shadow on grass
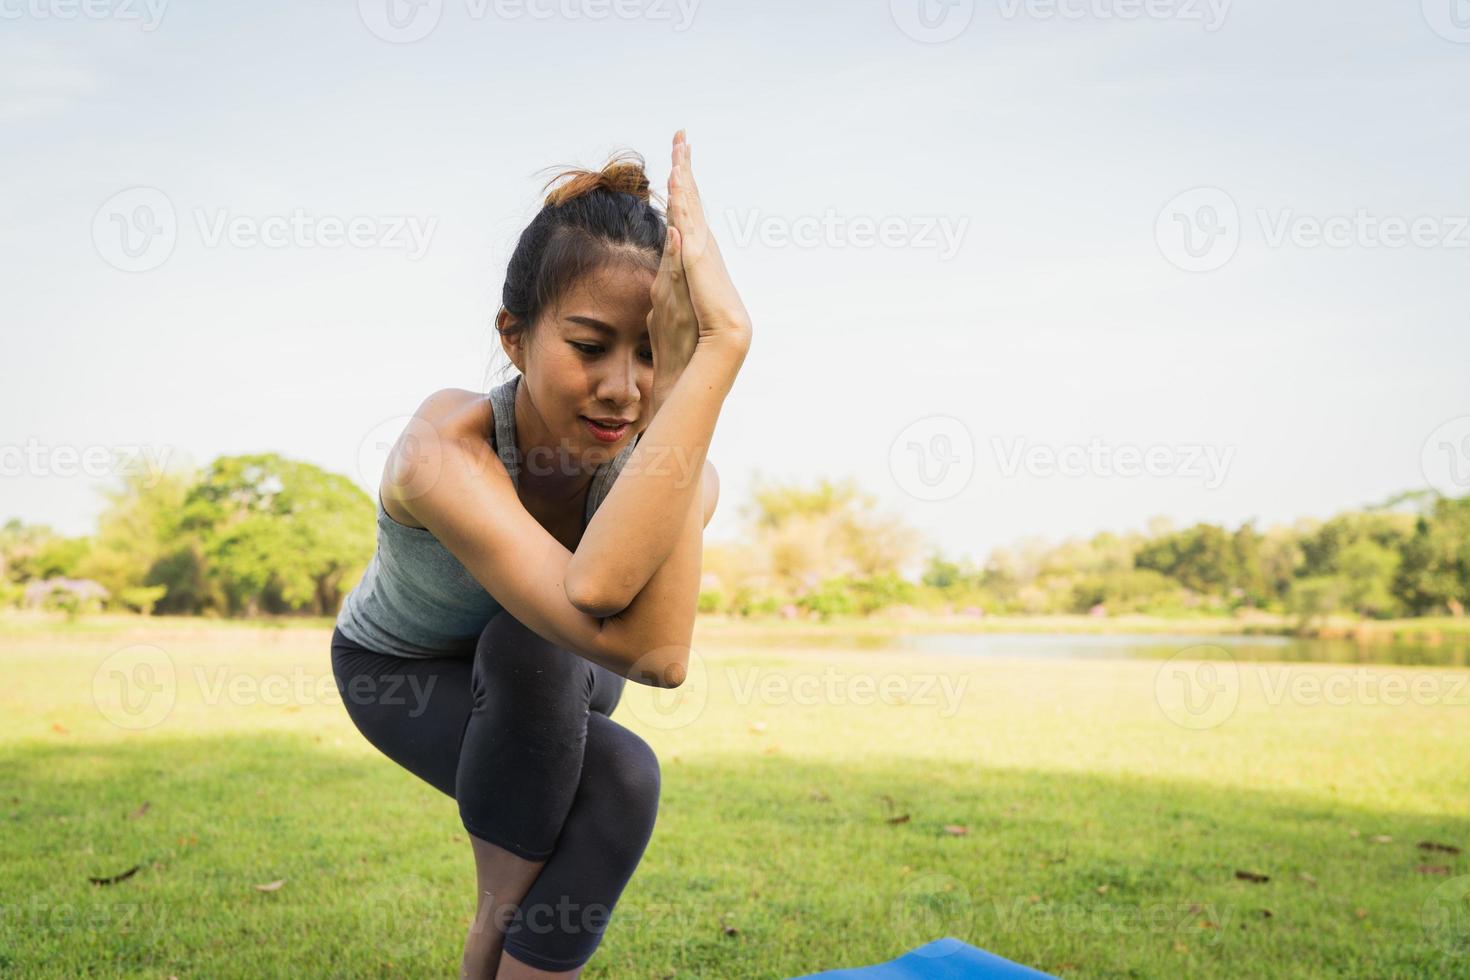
x: 761, y: 866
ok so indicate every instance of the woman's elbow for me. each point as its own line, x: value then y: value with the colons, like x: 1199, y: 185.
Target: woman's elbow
x: 666, y: 675
x: 597, y: 605
x: 594, y: 598
x: 665, y: 667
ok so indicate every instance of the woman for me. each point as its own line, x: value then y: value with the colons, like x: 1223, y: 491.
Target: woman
x: 492, y: 634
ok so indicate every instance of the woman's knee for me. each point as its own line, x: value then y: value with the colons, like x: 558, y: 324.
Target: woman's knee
x: 622, y: 779
x: 515, y: 664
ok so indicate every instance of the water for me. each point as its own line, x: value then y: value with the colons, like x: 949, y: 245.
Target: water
x: 1451, y: 652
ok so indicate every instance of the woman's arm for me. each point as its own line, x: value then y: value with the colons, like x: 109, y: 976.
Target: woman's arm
x: 448, y: 478
x: 631, y: 536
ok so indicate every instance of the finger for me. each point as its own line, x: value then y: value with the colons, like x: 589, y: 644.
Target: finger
x: 671, y: 262
x: 674, y: 252
x: 678, y: 277
x: 687, y: 166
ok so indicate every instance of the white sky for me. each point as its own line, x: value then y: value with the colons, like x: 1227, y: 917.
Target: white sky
x: 1048, y: 145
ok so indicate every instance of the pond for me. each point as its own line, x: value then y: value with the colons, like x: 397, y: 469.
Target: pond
x: 1451, y: 652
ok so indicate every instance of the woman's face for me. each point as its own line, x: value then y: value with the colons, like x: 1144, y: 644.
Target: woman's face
x: 589, y: 357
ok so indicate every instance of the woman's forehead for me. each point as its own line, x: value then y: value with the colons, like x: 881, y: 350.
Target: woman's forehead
x: 615, y: 297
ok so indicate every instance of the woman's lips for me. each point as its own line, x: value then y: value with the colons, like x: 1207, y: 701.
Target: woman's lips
x: 602, y: 433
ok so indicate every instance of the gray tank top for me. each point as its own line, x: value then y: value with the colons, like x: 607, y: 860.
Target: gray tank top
x: 416, y: 599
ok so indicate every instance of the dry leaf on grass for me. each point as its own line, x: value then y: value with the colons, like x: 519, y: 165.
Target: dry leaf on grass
x: 114, y: 879
x: 271, y: 886
x: 890, y: 806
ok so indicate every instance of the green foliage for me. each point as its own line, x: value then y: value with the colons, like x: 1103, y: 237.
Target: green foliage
x: 35, y: 552
x: 138, y: 525
x: 1378, y: 563
x: 142, y: 598
x: 1131, y: 590
x: 253, y: 534
x: 1205, y: 558
x: 279, y: 535
x: 830, y: 598
x: 1434, y: 575
x: 747, y: 601
x: 260, y: 533
x: 1317, y: 596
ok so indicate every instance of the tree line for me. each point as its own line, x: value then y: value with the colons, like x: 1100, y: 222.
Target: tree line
x: 260, y: 534
x: 1408, y: 557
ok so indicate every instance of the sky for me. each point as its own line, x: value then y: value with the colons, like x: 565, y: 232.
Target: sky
x: 1017, y: 268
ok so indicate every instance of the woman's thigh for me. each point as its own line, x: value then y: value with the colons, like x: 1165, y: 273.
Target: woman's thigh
x: 416, y: 711
x: 412, y: 710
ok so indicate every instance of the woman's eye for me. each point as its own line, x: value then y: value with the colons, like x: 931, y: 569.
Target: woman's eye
x: 592, y: 350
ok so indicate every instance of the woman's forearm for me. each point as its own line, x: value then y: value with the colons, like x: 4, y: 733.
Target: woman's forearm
x: 651, y: 638
x: 630, y: 536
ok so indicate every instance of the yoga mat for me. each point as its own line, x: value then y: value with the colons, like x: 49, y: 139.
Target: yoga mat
x: 943, y: 959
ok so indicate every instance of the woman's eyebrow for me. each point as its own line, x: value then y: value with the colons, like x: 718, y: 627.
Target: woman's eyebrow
x: 588, y: 321
x: 596, y: 324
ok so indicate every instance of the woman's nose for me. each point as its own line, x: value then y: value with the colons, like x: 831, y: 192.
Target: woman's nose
x: 619, y: 386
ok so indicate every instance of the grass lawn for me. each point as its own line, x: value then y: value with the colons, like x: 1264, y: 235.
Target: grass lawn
x: 820, y: 808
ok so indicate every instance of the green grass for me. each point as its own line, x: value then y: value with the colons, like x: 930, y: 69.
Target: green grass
x: 1102, y: 838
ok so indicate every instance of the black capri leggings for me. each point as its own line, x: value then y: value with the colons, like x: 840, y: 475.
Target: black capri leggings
x: 519, y: 736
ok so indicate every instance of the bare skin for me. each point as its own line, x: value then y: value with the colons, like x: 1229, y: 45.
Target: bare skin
x: 655, y: 326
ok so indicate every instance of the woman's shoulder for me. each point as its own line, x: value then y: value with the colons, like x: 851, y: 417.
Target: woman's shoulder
x: 448, y: 420
x: 457, y: 410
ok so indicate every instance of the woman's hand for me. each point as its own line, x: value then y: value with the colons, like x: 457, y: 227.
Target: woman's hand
x: 723, y: 321
x: 673, y: 329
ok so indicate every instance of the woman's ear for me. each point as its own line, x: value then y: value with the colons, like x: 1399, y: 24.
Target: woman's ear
x: 511, y: 342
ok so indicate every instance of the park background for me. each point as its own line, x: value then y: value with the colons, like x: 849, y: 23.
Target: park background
x: 1090, y: 571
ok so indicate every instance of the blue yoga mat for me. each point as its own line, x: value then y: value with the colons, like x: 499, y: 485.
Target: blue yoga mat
x: 943, y: 959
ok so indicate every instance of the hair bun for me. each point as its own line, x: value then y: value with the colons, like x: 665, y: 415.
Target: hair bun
x: 622, y: 175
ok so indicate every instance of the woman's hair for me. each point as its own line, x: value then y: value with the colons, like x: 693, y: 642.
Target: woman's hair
x: 590, y: 219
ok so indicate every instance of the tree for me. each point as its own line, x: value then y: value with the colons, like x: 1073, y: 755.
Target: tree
x: 279, y: 535
x: 139, y: 525
x: 830, y: 531
x: 1202, y: 558
x: 1434, y: 575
